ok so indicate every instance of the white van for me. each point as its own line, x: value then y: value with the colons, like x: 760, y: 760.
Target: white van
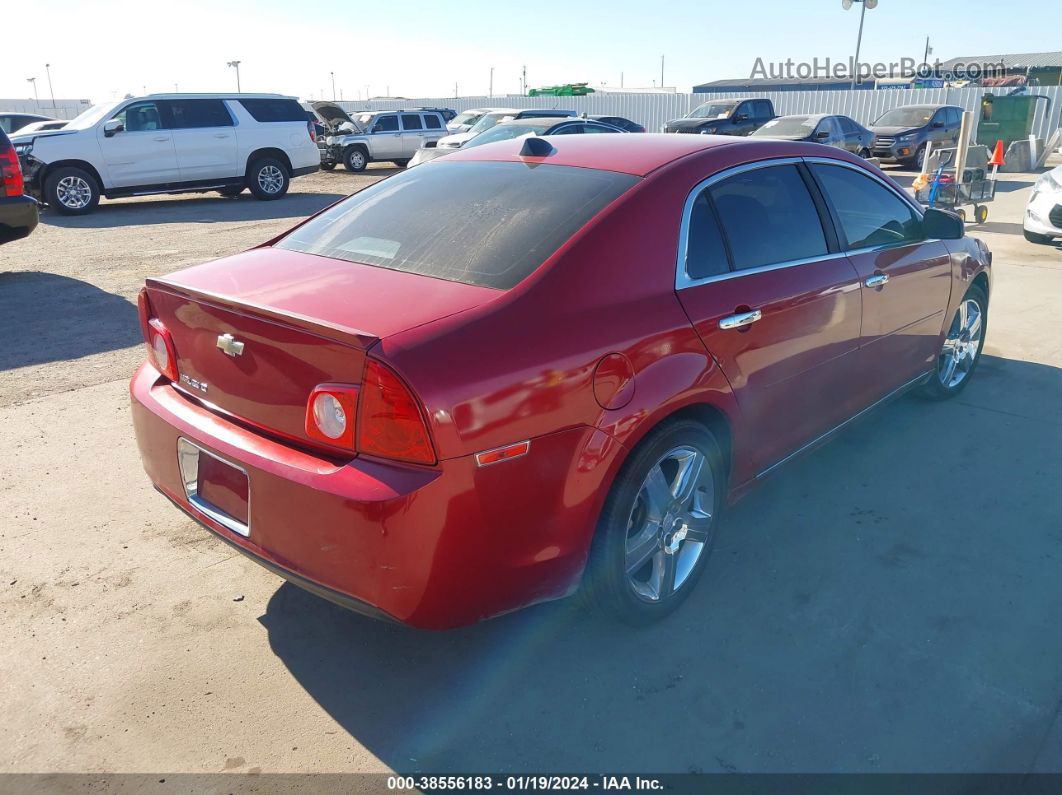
x: 170, y: 143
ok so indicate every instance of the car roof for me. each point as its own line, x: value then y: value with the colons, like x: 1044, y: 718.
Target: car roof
x: 637, y: 155
x: 543, y: 122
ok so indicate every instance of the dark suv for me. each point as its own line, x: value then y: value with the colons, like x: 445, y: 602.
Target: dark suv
x: 724, y: 117
x: 18, y: 213
x: 901, y: 134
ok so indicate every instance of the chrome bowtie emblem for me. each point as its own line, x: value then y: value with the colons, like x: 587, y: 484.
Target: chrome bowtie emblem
x: 230, y: 345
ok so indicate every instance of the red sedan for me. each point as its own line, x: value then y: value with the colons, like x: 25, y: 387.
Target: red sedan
x: 544, y: 364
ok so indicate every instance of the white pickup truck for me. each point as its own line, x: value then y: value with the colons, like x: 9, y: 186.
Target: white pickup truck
x: 370, y: 136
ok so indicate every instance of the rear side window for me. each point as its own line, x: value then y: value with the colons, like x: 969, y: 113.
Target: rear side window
x: 763, y: 109
x: 503, y: 223
x: 386, y: 124
x: 274, y: 109
x: 705, y: 250
x: 870, y: 214
x: 431, y: 122
x: 769, y: 217
x: 411, y: 121
x: 189, y: 113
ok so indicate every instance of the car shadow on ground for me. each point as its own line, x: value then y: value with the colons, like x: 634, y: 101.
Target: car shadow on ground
x: 192, y: 209
x: 46, y: 318
x: 873, y: 607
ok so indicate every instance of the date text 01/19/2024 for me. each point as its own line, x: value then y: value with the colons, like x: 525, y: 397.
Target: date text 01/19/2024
x: 485, y: 783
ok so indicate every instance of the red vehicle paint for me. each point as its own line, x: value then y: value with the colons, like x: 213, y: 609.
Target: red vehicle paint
x: 580, y: 359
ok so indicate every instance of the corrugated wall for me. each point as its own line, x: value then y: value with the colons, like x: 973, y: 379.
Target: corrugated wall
x: 653, y: 110
x: 63, y: 108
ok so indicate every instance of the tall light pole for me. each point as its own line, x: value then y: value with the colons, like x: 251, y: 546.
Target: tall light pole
x: 48, y: 70
x: 36, y: 101
x: 333, y: 74
x: 236, y: 65
x: 490, y: 89
x: 661, y: 71
x: 847, y: 4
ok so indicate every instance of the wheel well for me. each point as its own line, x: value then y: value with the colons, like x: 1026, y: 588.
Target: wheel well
x: 279, y: 154
x: 714, y: 420
x: 48, y: 169
x: 362, y: 147
x: 981, y: 280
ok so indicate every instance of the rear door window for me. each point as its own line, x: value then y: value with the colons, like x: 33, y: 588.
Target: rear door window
x: 769, y: 217
x: 411, y: 121
x: 502, y: 223
x: 192, y: 113
x: 870, y: 214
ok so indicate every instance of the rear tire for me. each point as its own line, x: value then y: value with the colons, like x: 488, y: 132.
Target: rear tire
x: 656, y: 530
x: 71, y: 191
x: 355, y: 159
x: 961, y: 350
x: 328, y: 166
x: 268, y: 178
x: 1033, y: 237
x: 865, y: 153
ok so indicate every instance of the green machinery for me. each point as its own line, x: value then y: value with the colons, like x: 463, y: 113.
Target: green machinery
x: 1008, y: 118
x: 566, y: 90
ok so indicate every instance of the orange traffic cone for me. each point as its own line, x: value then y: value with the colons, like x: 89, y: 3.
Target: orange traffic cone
x: 997, y: 155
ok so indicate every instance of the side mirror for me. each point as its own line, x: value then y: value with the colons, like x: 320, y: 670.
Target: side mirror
x: 822, y: 135
x: 942, y: 225
x: 741, y: 117
x: 113, y: 126
x: 938, y: 125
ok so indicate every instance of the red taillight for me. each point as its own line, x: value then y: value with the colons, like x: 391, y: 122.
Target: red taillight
x: 313, y: 131
x: 10, y: 172
x: 161, y: 352
x: 390, y: 421
x: 331, y: 413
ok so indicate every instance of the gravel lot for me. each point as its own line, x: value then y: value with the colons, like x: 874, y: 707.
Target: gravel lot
x: 889, y: 603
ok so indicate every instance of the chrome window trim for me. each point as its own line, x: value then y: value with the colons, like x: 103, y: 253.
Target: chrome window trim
x: 189, y: 469
x: 682, y: 278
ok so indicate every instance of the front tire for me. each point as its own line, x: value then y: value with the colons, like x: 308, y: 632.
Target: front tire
x: 268, y: 179
x: 655, y: 534
x: 401, y: 163
x: 961, y: 350
x: 72, y: 191
x: 355, y: 159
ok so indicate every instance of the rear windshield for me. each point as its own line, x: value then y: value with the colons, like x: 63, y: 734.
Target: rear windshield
x: 503, y: 222
x: 274, y: 109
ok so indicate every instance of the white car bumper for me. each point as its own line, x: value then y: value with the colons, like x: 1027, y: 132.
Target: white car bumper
x: 1041, y: 215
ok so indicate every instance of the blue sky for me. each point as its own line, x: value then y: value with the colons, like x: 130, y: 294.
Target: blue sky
x: 423, y: 49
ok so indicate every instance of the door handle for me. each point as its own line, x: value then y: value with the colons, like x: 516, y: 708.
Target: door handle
x: 221, y: 135
x: 877, y: 280
x: 740, y: 319
x: 162, y: 138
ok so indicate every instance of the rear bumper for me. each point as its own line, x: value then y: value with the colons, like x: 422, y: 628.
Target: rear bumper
x: 18, y: 217
x: 430, y: 547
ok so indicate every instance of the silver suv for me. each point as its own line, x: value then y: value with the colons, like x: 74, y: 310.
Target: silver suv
x: 370, y: 136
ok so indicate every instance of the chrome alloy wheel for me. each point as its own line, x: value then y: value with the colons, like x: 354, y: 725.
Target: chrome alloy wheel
x: 270, y: 179
x: 962, y: 345
x: 356, y: 159
x: 73, y: 192
x: 670, y: 524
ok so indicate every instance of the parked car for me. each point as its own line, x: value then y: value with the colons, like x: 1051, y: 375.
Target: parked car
x: 901, y: 134
x: 11, y: 122
x: 18, y: 212
x: 514, y: 128
x: 1043, y: 212
x: 820, y: 128
x: 689, y: 299
x: 618, y: 121
x: 170, y: 143
x: 42, y: 126
x: 393, y: 135
x: 488, y: 120
x: 448, y: 114
x: 724, y: 117
x: 464, y: 120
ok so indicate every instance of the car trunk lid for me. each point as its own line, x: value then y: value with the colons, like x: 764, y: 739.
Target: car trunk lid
x: 302, y: 319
